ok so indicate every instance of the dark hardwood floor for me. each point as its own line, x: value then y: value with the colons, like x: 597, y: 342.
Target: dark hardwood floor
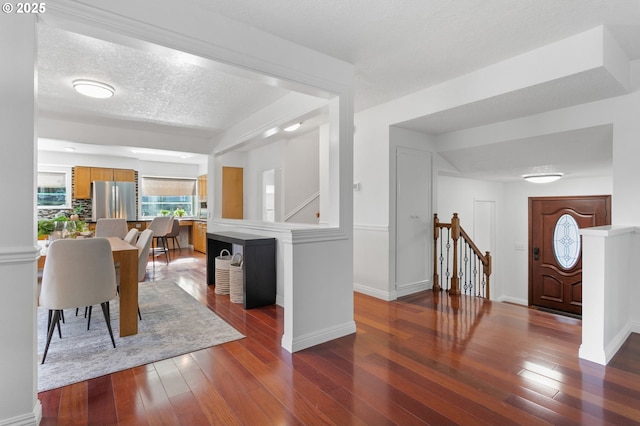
x: 423, y: 359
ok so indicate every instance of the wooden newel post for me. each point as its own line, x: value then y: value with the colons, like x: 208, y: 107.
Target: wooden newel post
x: 455, y: 235
x: 487, y: 272
x: 436, y: 234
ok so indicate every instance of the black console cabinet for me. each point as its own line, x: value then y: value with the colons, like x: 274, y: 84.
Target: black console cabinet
x: 259, y: 255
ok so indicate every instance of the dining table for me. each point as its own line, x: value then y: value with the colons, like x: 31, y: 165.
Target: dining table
x: 127, y: 256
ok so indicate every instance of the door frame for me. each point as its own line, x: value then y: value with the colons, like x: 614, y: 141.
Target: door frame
x: 530, y: 260
x: 401, y: 289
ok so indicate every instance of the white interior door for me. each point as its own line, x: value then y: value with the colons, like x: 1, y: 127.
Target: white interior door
x: 413, y: 220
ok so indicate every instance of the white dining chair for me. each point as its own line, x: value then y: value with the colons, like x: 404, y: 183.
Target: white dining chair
x: 161, y: 226
x: 111, y: 227
x: 77, y: 273
x: 132, y: 236
x: 143, y: 244
x: 175, y: 233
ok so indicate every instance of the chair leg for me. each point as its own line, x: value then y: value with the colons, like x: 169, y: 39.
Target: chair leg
x: 52, y: 325
x: 49, y: 323
x: 107, y: 318
x: 165, y: 243
x: 89, y: 317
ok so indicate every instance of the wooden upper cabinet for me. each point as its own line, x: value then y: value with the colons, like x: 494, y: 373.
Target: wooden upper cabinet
x: 120, y: 175
x: 81, y: 182
x: 98, y: 173
x: 83, y: 176
x: 124, y: 175
x: 202, y: 188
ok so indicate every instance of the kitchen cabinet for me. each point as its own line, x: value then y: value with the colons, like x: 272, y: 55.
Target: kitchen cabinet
x: 202, y: 188
x: 98, y: 173
x: 124, y: 175
x: 83, y: 176
x: 118, y: 175
x: 199, y: 236
x: 81, y: 182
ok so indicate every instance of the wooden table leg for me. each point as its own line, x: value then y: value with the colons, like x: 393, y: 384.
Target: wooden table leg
x: 128, y: 292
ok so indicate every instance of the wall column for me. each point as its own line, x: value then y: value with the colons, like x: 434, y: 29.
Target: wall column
x: 18, y: 355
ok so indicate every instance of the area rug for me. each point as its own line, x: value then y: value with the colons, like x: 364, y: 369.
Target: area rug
x: 173, y: 323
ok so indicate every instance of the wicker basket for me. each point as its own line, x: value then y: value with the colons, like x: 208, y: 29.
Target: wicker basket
x: 236, y: 278
x: 221, y: 275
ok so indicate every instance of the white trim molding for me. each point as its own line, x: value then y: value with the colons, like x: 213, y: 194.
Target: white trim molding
x: 412, y: 288
x: 374, y: 228
x: 374, y: 292
x: 16, y: 255
x: 321, y: 336
x: 29, y: 419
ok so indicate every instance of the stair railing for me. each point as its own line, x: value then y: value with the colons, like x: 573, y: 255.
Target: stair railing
x: 458, y: 265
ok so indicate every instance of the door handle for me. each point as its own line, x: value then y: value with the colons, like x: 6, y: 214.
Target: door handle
x: 536, y: 253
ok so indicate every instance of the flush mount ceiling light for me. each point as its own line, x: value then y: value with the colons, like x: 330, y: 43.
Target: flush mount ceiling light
x: 93, y: 89
x: 542, y: 177
x: 293, y: 127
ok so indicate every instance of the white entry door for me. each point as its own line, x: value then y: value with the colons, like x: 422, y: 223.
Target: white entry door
x: 413, y: 220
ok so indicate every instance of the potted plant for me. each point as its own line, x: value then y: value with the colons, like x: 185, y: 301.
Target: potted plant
x: 164, y: 212
x: 179, y: 212
x: 47, y: 226
x: 76, y: 213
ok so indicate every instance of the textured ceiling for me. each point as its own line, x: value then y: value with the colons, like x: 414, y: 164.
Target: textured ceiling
x: 150, y: 88
x: 396, y: 47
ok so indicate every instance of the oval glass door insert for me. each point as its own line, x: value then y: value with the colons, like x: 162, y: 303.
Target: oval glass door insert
x: 566, y: 241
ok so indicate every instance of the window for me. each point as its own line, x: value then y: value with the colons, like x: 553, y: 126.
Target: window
x: 53, y: 190
x: 566, y: 241
x: 161, y: 195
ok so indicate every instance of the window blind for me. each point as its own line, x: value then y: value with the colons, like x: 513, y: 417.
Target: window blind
x: 152, y: 186
x: 51, y: 180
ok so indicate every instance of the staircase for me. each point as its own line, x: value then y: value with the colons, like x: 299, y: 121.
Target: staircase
x: 459, y: 267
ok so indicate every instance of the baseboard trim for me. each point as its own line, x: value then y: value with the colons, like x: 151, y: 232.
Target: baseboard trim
x: 374, y: 292
x: 29, y: 419
x: 616, y: 343
x: 312, y: 339
x: 413, y: 288
x: 515, y: 300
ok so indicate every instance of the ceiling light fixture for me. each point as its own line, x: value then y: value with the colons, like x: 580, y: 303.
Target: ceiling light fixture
x: 542, y: 177
x: 93, y: 89
x: 293, y: 127
x: 69, y: 149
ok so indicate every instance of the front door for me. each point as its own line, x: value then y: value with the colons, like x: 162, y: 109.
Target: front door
x: 555, y: 248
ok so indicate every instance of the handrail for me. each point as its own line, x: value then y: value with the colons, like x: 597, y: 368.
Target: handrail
x: 461, y: 265
x: 302, y: 205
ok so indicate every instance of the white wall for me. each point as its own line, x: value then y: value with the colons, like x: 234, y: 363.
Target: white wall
x: 298, y: 161
x: 302, y: 176
x: 271, y: 156
x: 458, y: 195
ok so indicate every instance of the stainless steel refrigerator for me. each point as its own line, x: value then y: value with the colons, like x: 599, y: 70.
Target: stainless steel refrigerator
x: 114, y: 200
